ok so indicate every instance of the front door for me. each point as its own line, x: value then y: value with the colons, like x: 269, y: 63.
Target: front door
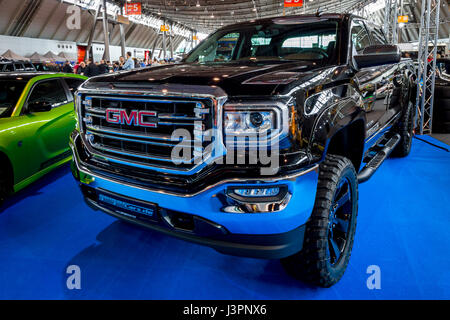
x: 47, y: 134
x: 375, y: 83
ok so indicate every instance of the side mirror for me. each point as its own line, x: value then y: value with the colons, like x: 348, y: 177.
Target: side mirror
x: 378, y: 55
x: 39, y: 106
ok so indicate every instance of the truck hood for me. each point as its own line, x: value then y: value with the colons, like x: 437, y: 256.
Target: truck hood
x: 236, y: 79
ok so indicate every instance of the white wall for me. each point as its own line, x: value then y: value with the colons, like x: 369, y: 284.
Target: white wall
x: 115, y: 52
x: 28, y: 46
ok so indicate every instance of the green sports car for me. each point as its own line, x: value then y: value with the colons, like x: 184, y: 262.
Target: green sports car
x: 36, y: 117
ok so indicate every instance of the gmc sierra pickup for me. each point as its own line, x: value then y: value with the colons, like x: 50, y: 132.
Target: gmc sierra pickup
x: 255, y: 143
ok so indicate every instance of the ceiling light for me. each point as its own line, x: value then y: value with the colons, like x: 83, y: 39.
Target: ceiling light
x: 198, y: 4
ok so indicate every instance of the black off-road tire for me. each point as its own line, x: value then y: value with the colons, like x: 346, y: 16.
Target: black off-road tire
x: 3, y: 186
x: 405, y: 129
x: 315, y: 263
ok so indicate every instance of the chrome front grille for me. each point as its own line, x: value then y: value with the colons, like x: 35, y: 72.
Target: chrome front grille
x: 148, y: 146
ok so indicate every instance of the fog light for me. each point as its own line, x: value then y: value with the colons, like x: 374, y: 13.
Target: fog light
x: 242, y: 199
x: 260, y: 192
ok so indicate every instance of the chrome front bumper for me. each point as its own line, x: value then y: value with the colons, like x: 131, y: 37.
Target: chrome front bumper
x: 228, y: 220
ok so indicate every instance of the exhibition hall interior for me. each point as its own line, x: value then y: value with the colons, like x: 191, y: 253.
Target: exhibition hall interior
x: 224, y: 150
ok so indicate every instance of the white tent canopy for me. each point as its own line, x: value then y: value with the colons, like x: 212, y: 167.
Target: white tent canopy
x: 36, y: 57
x: 53, y: 57
x: 66, y: 56
x: 8, y: 54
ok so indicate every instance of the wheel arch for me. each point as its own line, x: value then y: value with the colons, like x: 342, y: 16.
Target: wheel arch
x: 349, y: 142
x: 340, y: 130
x: 6, y: 163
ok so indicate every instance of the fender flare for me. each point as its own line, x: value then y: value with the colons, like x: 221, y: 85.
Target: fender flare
x: 334, y: 119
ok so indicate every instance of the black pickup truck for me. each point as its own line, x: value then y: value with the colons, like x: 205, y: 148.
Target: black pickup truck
x: 255, y: 143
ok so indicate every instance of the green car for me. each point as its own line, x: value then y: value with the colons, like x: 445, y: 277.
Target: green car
x: 36, y: 118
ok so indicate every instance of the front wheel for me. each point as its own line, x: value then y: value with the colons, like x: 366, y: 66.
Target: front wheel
x: 3, y: 185
x: 330, y: 231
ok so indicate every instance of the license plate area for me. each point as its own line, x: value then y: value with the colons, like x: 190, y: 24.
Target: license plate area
x: 129, y: 207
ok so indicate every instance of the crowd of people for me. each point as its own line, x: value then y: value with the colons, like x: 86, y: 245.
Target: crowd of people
x: 91, y: 68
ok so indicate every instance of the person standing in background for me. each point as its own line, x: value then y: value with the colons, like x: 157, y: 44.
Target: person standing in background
x: 81, y: 68
x: 92, y: 69
x: 121, y: 62
x: 67, y: 67
x: 129, y: 64
x: 103, y: 67
x: 75, y: 67
x: 136, y: 63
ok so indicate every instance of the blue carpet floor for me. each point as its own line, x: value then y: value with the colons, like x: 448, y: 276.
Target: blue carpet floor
x: 403, y: 227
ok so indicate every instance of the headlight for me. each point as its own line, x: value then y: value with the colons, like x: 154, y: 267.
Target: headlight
x: 249, y: 122
x: 253, y: 124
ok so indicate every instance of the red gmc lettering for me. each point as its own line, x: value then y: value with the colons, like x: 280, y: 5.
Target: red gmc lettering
x: 113, y: 115
x: 135, y: 117
x: 129, y: 120
x: 146, y: 124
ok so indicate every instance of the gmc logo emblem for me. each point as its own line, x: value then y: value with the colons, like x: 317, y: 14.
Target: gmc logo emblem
x: 136, y: 117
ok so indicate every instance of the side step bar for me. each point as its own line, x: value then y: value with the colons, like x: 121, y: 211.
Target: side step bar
x: 367, y: 172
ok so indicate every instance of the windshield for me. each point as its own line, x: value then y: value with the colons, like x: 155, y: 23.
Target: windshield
x: 10, y: 91
x: 315, y: 42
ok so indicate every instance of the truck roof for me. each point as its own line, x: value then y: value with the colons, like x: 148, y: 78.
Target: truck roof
x: 293, y: 18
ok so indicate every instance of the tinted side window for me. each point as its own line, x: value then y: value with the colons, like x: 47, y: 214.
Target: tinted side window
x: 19, y: 66
x: 378, y: 36
x: 28, y: 66
x: 360, y: 37
x: 49, y: 91
x: 8, y: 68
x: 73, y: 84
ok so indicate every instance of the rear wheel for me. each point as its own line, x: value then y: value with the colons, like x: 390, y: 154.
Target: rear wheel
x: 405, y: 130
x: 330, y: 231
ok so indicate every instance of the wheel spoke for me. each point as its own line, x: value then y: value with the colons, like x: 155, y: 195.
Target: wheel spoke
x: 341, y: 224
x: 334, y: 250
x: 343, y: 199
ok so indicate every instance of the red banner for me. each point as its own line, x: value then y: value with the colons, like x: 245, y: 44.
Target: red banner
x: 293, y: 3
x: 132, y: 8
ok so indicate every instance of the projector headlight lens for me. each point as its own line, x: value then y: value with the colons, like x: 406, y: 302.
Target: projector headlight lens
x: 249, y: 122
